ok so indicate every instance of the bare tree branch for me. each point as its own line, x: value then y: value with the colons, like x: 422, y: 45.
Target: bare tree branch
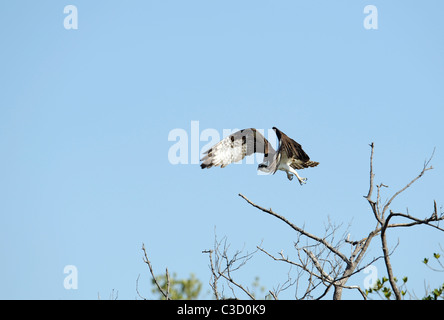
x: 433, y: 218
x: 223, y: 266
x: 300, y: 230
x: 230, y: 279
x: 168, y: 282
x: 384, y: 222
x: 373, y: 204
x: 215, y: 277
x: 372, y: 176
x: 147, y: 261
x: 137, y: 288
x: 425, y: 168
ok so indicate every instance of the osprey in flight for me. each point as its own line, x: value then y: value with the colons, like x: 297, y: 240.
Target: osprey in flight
x: 288, y: 157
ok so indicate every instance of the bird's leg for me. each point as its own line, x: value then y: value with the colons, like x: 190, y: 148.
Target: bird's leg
x: 301, y: 180
x: 289, y: 176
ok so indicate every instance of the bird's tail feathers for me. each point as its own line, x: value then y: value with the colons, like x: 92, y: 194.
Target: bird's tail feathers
x: 311, y: 163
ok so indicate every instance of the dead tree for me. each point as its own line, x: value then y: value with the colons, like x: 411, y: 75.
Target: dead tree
x: 326, y: 262
x: 383, y: 215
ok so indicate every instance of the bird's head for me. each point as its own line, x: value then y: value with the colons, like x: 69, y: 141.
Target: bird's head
x: 263, y: 167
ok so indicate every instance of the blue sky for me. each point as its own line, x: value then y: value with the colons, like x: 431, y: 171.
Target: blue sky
x: 85, y: 116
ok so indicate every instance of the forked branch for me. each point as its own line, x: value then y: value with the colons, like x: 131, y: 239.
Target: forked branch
x: 383, y: 221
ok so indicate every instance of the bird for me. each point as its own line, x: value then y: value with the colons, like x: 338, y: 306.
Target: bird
x: 288, y: 157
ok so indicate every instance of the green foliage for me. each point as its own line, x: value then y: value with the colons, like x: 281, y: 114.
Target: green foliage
x: 384, y: 290
x: 436, y: 256
x: 179, y: 289
x: 436, y: 294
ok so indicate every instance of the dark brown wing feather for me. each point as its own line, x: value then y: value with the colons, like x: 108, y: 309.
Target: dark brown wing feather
x: 290, y: 147
x: 293, y: 149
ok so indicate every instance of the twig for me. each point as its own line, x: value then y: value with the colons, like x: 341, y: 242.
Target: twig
x: 387, y: 205
x: 137, y: 288
x: 213, y: 272
x: 372, y: 176
x: 168, y: 282
x: 273, y: 295
x: 147, y: 261
x: 373, y: 204
x: 237, y: 285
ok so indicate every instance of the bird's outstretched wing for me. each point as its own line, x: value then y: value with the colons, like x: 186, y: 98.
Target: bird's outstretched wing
x: 235, y: 147
x: 291, y: 148
x: 293, y: 153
